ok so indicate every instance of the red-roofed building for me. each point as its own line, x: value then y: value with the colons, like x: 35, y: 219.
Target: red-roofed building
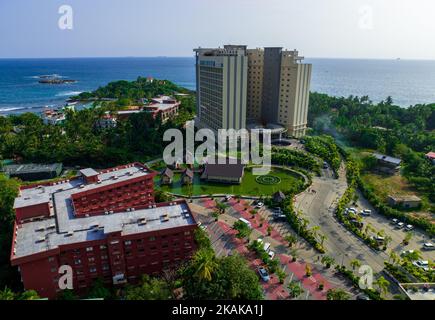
x: 431, y: 156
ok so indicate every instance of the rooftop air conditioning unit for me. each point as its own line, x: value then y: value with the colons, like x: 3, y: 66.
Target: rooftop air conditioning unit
x: 99, y: 182
x: 111, y: 211
x: 42, y: 239
x: 82, y: 186
x: 132, y: 209
x: 40, y: 229
x: 69, y: 234
x: 165, y: 217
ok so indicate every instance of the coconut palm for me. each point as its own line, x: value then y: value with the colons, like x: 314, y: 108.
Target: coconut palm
x: 382, y: 284
x: 295, y: 289
x: 291, y: 240
x: 394, y: 258
x: 205, y: 264
x: 355, y: 263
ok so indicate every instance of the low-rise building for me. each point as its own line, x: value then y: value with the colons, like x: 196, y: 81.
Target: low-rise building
x: 224, y: 173
x: 33, y: 171
x: 100, y: 225
x: 108, y: 121
x: 387, y: 164
x: 187, y: 176
x: 405, y: 201
x: 431, y: 156
x: 53, y: 117
x: 166, y: 176
x: 165, y: 106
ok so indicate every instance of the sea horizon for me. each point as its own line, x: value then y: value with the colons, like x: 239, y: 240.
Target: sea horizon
x: 408, y: 82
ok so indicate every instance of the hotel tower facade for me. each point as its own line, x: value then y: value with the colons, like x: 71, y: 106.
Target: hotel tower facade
x: 277, y: 88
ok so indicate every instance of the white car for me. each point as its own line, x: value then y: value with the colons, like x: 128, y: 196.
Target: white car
x: 409, y: 227
x: 428, y: 246
x: 271, y: 254
x: 352, y: 209
x: 366, y: 212
x: 394, y: 221
x: 260, y: 205
x: 266, y: 247
x: 400, y: 225
x: 228, y: 198
x: 423, y: 264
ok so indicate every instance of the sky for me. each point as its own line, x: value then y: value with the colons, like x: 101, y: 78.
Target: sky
x: 373, y: 29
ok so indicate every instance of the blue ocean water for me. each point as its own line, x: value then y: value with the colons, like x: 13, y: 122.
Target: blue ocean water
x: 407, y: 81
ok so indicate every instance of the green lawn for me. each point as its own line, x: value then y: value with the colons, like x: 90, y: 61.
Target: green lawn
x: 248, y: 187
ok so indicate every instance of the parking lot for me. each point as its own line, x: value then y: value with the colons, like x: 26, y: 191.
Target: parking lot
x: 397, y: 235
x: 224, y: 243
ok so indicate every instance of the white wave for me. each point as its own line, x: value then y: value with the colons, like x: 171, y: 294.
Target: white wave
x: 12, y: 109
x: 68, y: 93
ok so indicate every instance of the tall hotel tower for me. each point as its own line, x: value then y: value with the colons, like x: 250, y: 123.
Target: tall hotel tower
x: 239, y: 87
x: 278, y: 89
x: 221, y: 82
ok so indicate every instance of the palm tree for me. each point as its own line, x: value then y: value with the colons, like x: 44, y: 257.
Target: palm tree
x: 222, y: 207
x: 291, y: 240
x: 407, y: 238
x: 327, y: 261
x: 294, y: 254
x: 322, y: 239
x: 295, y: 289
x: 394, y: 258
x: 382, y: 284
x: 337, y: 294
x: 205, y: 264
x: 355, y: 263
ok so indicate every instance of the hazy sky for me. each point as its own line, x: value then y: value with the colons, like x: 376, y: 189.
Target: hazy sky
x: 317, y: 28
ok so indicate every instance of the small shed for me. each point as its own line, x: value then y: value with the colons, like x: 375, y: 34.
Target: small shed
x: 166, y: 176
x: 187, y: 177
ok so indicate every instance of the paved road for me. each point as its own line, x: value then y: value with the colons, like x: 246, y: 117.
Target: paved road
x: 318, y: 204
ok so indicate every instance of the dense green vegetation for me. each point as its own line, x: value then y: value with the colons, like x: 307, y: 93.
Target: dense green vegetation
x: 9, y: 276
x: 80, y: 142
x: 324, y: 146
x: 130, y: 92
x: 289, y: 157
x: 407, y: 133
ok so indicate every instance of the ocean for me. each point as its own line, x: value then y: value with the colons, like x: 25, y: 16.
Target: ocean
x: 409, y: 82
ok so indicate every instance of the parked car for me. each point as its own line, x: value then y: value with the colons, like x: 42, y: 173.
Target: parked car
x: 409, y: 227
x: 279, y: 217
x: 428, y: 246
x: 277, y: 209
x: 395, y: 221
x: 379, y: 239
x: 228, y: 197
x: 400, y: 225
x: 266, y: 247
x: 362, y: 297
x: 423, y: 264
x: 366, y: 212
x: 271, y: 254
x: 264, y: 275
x: 260, y: 205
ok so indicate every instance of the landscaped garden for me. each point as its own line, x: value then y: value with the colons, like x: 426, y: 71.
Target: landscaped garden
x: 277, y: 179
